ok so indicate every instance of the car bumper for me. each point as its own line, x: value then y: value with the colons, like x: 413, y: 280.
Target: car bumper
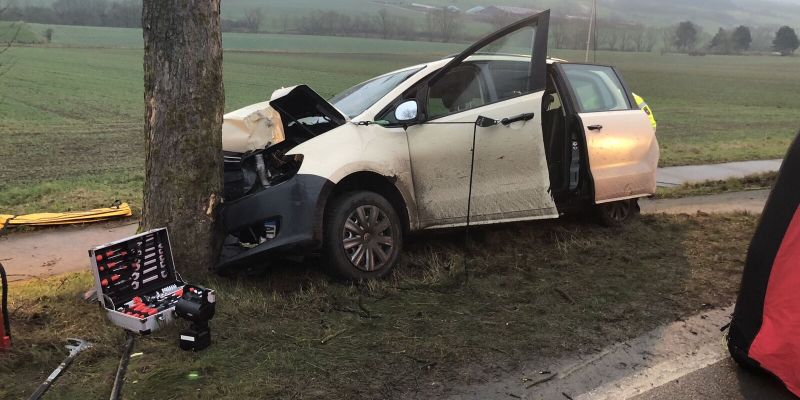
x: 297, y: 204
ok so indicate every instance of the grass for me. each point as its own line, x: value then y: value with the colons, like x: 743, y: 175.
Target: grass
x: 751, y: 182
x: 18, y: 32
x: 537, y: 291
x: 86, y: 36
x: 71, y: 118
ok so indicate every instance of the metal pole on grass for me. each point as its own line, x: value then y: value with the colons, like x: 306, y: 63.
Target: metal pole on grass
x: 591, y: 27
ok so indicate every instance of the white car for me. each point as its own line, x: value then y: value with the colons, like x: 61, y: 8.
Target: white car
x: 351, y: 176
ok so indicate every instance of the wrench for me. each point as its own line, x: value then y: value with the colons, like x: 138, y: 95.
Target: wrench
x: 75, y: 346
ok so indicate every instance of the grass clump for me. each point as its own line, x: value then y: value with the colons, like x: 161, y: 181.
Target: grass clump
x: 750, y: 182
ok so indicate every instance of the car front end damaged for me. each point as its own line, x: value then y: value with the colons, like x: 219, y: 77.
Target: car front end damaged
x: 285, y: 218
x: 270, y: 207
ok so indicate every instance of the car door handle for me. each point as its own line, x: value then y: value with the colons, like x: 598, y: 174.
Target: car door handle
x: 521, y: 117
x: 595, y: 127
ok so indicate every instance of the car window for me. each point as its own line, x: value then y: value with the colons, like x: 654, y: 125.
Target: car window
x: 459, y: 90
x: 597, y: 88
x: 354, y: 101
x: 510, y: 78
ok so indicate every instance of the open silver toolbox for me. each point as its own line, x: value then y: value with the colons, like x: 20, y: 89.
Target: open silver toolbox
x: 142, y: 267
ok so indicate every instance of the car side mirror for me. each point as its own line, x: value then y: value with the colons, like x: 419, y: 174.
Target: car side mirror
x: 406, y: 111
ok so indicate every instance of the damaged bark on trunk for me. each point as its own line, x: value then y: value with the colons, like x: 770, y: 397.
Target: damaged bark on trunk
x: 184, y: 104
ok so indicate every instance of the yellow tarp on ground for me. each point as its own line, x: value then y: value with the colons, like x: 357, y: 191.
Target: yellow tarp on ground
x: 66, y: 218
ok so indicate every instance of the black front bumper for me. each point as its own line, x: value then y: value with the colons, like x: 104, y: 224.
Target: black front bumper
x: 298, y: 204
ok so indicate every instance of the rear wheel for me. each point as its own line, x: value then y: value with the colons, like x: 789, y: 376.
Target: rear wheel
x: 617, y: 213
x: 363, y: 236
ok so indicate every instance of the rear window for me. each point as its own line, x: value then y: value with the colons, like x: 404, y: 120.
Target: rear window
x: 597, y: 88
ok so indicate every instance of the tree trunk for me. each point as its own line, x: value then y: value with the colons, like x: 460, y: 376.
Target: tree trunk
x: 184, y: 102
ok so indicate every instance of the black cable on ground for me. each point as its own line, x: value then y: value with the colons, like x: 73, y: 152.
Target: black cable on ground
x: 4, y: 305
x: 116, y: 391
x: 467, y: 252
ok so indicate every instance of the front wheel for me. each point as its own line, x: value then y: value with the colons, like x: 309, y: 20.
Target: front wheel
x: 617, y: 213
x: 363, y: 236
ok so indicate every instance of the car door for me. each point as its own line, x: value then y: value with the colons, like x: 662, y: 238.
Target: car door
x: 621, y: 142
x: 510, y: 178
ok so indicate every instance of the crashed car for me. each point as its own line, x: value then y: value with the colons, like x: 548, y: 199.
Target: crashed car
x: 350, y: 177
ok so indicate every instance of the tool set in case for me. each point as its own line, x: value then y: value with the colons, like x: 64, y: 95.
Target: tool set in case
x: 138, y: 286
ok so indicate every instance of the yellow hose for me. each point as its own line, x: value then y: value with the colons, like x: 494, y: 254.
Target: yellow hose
x: 66, y: 218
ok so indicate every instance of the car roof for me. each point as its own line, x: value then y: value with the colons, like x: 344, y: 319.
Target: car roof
x: 481, y: 57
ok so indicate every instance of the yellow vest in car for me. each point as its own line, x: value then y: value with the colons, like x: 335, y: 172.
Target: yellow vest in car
x: 647, y: 110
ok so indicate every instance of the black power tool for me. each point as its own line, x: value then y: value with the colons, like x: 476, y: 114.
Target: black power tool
x: 197, y: 305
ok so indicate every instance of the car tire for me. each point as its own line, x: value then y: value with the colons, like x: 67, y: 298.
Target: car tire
x: 617, y: 213
x: 362, y: 236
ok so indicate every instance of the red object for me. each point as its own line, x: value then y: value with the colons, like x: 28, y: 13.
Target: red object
x: 111, y: 253
x: 104, y: 282
x: 780, y: 330
x: 5, y: 341
x: 99, y: 257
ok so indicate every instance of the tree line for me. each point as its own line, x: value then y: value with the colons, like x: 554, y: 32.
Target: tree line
x: 441, y: 24
x: 688, y: 37
x: 114, y: 13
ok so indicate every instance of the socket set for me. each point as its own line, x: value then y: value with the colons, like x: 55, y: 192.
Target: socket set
x: 136, y: 281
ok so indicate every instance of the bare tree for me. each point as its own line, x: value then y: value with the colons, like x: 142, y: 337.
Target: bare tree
x: 668, y: 39
x: 385, y: 23
x: 184, y: 102
x: 444, y: 24
x: 253, y: 19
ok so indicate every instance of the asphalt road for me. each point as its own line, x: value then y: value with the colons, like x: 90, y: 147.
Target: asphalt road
x: 723, y: 380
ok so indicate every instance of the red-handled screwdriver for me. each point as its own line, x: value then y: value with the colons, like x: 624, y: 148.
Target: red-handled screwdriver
x: 114, y: 278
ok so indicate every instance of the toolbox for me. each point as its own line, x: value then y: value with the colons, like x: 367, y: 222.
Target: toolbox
x: 137, y: 283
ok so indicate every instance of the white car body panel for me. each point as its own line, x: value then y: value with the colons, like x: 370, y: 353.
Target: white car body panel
x: 353, y: 148
x: 510, y: 180
x: 623, y: 155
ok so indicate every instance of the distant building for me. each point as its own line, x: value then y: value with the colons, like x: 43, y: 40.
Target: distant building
x: 507, y: 11
x: 427, y: 8
x: 423, y: 7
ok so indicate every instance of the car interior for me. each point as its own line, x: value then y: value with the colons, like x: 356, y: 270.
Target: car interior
x: 460, y: 89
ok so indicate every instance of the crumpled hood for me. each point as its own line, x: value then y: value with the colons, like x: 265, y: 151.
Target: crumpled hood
x: 254, y: 127
x: 263, y: 124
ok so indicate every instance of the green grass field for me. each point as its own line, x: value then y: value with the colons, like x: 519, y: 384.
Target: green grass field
x: 88, y: 36
x: 71, y: 118
x: 19, y: 32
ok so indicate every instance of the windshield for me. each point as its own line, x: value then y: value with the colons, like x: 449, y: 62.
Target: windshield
x: 358, y: 98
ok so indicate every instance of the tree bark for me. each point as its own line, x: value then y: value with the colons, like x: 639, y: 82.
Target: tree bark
x: 184, y: 103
